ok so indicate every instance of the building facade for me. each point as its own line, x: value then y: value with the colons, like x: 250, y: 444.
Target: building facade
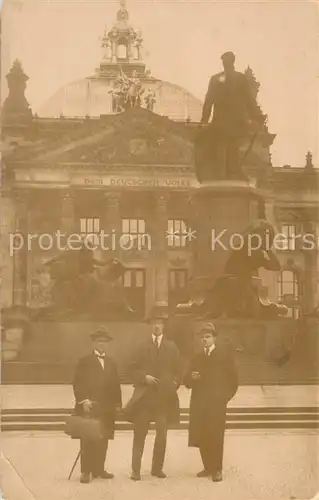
x: 83, y: 167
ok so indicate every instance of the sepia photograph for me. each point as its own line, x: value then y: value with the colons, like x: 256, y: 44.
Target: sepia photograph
x: 159, y: 250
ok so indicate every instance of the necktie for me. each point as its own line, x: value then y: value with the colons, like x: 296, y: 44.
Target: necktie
x: 101, y: 357
x: 157, y: 344
x: 207, y: 351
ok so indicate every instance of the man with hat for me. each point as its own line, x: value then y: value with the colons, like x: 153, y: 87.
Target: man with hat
x: 235, y: 109
x: 212, y: 377
x: 97, y: 394
x: 156, y: 372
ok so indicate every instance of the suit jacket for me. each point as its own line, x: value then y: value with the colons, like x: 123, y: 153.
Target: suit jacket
x: 102, y: 386
x: 164, y: 364
x: 218, y: 383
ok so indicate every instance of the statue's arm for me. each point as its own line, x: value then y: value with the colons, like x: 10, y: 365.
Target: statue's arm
x: 209, y: 101
x: 271, y: 262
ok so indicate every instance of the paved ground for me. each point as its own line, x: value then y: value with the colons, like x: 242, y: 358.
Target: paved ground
x: 258, y: 465
x: 61, y: 396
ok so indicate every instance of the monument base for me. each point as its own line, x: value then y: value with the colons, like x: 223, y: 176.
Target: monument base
x: 224, y: 209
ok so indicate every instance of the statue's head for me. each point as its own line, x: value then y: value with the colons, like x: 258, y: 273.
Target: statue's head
x: 228, y: 59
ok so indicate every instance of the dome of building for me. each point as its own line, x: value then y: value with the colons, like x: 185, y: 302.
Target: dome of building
x: 122, y: 60
x: 93, y: 97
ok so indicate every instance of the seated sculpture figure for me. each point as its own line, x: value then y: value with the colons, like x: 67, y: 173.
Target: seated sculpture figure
x: 234, y: 294
x: 83, y: 284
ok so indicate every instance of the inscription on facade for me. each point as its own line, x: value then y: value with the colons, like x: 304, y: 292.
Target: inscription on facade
x: 134, y: 182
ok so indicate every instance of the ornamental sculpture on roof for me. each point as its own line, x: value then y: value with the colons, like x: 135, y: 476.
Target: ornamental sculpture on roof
x: 128, y: 93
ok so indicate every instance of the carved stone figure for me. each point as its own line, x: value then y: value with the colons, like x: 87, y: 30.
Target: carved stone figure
x: 127, y: 92
x: 150, y: 100
x: 234, y: 294
x: 235, y: 112
x: 83, y: 284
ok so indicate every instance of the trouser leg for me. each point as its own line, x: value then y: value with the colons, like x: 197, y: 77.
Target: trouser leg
x: 206, y: 453
x: 100, y: 449
x: 160, y: 443
x: 140, y: 432
x: 234, y: 171
x: 87, y: 456
x: 218, y: 452
x: 220, y: 158
x: 218, y: 441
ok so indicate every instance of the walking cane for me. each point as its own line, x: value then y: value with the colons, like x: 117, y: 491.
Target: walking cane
x: 75, y: 462
x: 251, y: 144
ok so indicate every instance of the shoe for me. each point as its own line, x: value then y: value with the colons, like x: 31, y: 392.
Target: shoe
x: 85, y: 478
x: 135, y: 476
x: 203, y: 473
x: 160, y: 474
x: 217, y: 477
x: 104, y: 475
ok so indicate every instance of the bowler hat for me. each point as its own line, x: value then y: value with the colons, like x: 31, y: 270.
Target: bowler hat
x: 101, y: 333
x: 208, y: 328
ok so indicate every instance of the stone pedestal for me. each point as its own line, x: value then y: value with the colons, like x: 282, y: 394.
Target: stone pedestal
x: 224, y: 209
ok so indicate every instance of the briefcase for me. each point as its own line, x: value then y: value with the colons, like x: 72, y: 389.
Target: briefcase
x: 86, y: 428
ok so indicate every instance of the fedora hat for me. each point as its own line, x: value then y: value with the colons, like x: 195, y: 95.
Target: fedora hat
x: 208, y: 327
x: 101, y: 333
x: 158, y: 313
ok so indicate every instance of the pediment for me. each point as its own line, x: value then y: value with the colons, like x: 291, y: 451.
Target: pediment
x: 137, y: 137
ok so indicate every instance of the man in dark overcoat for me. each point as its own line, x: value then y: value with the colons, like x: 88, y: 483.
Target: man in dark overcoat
x: 156, y: 373
x: 212, y: 377
x: 97, y: 394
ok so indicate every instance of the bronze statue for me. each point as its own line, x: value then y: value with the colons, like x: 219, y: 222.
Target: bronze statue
x: 83, y: 284
x: 235, y: 113
x: 234, y: 294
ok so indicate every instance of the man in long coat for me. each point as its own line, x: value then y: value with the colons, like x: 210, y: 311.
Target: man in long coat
x: 156, y: 372
x: 212, y: 377
x: 97, y: 394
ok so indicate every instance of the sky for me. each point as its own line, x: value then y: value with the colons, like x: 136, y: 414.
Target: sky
x: 58, y: 42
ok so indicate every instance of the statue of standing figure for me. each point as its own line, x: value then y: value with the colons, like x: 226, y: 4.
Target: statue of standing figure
x: 235, y: 114
x: 150, y: 99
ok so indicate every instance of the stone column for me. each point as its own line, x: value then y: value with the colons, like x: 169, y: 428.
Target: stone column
x: 160, y: 254
x: 68, y: 222
x: 7, y: 223
x: 270, y: 209
x: 113, y: 223
x: 20, y: 256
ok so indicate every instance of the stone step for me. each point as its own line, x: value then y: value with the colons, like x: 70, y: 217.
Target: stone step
x: 237, y: 418
x: 250, y: 373
x: 121, y: 426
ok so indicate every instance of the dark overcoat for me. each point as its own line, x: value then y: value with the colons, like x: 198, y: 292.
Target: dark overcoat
x: 102, y: 386
x: 218, y: 383
x: 164, y: 364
